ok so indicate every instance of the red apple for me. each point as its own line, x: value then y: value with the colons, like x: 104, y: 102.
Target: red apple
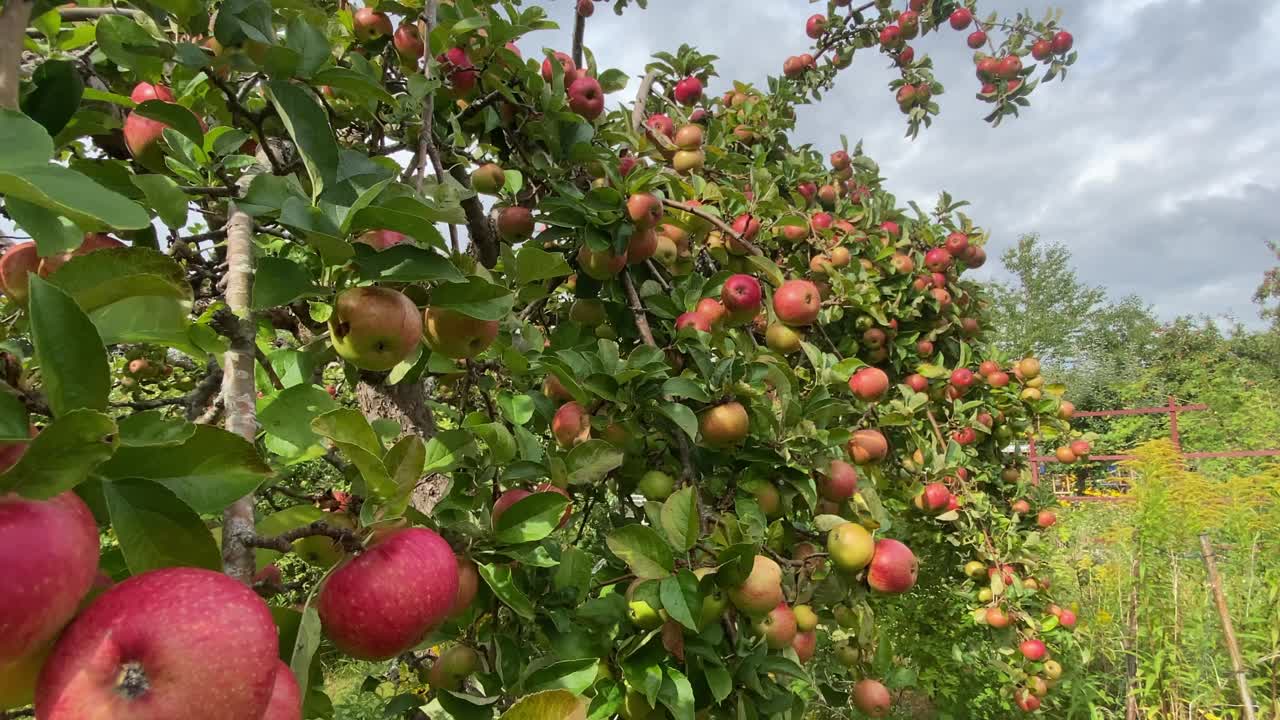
x: 17, y: 262
x: 645, y: 210
x: 461, y: 72
x: 1067, y: 619
x: 586, y: 97
x: 286, y: 696
x: 505, y: 501
x: 962, y: 378
x: 977, y: 39
x: 371, y: 25
x: 571, y: 425
x: 688, y: 91
x: 1032, y: 649
x: 1062, y: 43
x: 660, y: 123
x: 893, y: 567
x: 1042, y: 49
x: 566, y: 63
x: 867, y: 446
x: 374, y: 328
x: 840, y: 482
x: 869, y: 383
x: 382, y: 239
x: 742, y: 296
x: 515, y: 223
x: 960, y: 18
x: 872, y: 698
x: 695, y: 320
x: 408, y: 43
x: 797, y: 302
x: 171, y: 643
x: 383, y: 601
x: 891, y: 37
x: 917, y: 382
x: 934, y: 498
x: 815, y: 26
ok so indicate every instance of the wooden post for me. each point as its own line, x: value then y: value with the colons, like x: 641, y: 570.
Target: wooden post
x: 1173, y: 425
x: 1228, y: 632
x: 1131, y: 642
x: 1035, y: 466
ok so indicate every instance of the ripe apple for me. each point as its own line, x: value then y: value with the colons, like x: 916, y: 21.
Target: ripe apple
x: 808, y: 190
x: 891, y: 228
x: 712, y: 310
x: 1065, y: 455
x: 724, y: 425
x: 17, y: 261
x: 382, y: 602
x: 938, y: 260
x: 909, y: 21
x: 452, y: 667
x: 695, y: 320
x: 170, y: 643
x: 488, y: 179
x: 961, y: 378
x: 797, y: 302
x: 1081, y: 448
x: 456, y: 335
x: 515, y: 223
x: 761, y: 592
x: 869, y: 383
x: 1046, y: 518
x: 805, y: 644
x: 868, y: 446
x: 917, y: 382
x: 839, y: 483
x: 141, y: 136
x: 976, y: 39
x: 1022, y: 507
x: 782, y: 339
x: 641, y: 246
x: 806, y: 618
x: 382, y: 239
x: 371, y: 25
x: 688, y: 91
x: 689, y: 137
x: 374, y: 328
x: 601, y: 264
x: 645, y: 210
x: 850, y: 546
x: 827, y: 195
x: 52, y: 546
x: 934, y: 498
x: 998, y: 378
x: 997, y: 618
x: 793, y: 66
x: 1026, y: 700
x: 408, y: 43
x: 1067, y: 619
x: 661, y: 123
x: 815, y: 26
x: 1052, y: 669
x: 571, y: 425
x: 286, y: 696
x: 656, y: 485
x: 566, y: 63
x: 468, y: 586
x: 872, y: 698
x: 505, y: 501
x: 1062, y: 42
x: 778, y: 628
x: 960, y: 18
x: 1032, y: 649
x: 769, y: 499
x: 1028, y: 368
x: 891, y: 37
x: 747, y: 227
x: 686, y: 162
x: 742, y: 297
x: 586, y: 97
x: 893, y: 567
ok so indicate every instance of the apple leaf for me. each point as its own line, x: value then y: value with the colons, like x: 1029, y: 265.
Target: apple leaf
x: 308, y: 125
x: 591, y: 461
x: 62, y: 455
x: 736, y: 563
x: 681, y: 598
x: 153, y: 428
x: 14, y: 421
x: 289, y: 414
x: 208, y: 472
x: 546, y: 705
x: 106, y: 276
x: 306, y: 643
x: 349, y: 426
x: 156, y: 529
x: 677, y: 695
x: 680, y: 520
x: 445, y: 450
x: 532, y: 518
x: 477, y: 298
x: 573, y: 572
x: 73, y: 360
x: 572, y: 675
x: 682, y: 416
x: 404, y: 263
x: 643, y: 550
x: 279, y: 282
x: 51, y: 232
x: 534, y: 263
x: 499, y: 579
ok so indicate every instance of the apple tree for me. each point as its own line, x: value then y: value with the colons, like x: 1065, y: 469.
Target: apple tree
x: 387, y: 331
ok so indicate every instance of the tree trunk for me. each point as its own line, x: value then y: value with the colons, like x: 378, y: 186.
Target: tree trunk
x: 405, y: 403
x: 238, y: 392
x: 13, y: 30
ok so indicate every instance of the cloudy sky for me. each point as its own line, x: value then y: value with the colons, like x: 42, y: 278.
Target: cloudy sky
x: 1157, y: 162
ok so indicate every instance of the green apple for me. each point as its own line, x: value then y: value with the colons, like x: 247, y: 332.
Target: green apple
x: 656, y: 485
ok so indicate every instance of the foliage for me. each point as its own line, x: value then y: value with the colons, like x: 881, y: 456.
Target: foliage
x: 591, y: 358
x: 1148, y: 550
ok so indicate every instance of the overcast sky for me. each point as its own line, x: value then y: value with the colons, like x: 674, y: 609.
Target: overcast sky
x: 1157, y: 162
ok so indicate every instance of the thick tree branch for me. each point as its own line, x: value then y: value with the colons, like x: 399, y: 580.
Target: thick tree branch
x: 13, y: 26
x: 637, y: 309
x: 637, y: 110
x: 238, y: 392
x: 284, y: 541
x: 198, y: 398
x: 579, y: 29
x: 478, y: 225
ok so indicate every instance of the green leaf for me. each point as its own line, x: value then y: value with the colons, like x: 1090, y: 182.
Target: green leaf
x: 477, y: 298
x: 62, y: 455
x: 719, y: 681
x: 279, y: 282
x: 572, y: 675
x: 27, y: 144
x: 496, y: 435
x: 55, y: 97
x: 149, y: 319
x: 736, y: 563
x: 14, y: 422
x: 546, y: 705
x: 74, y: 196
x: 404, y: 462
x: 352, y: 82
x: 445, y: 450
x: 643, y: 550
x: 131, y: 47
x: 573, y: 573
x: 682, y: 416
x: 283, y: 521
x: 107, y: 276
x: 305, y: 644
x: 73, y: 361
x: 290, y: 413
x: 680, y: 519
x: 347, y: 425
x: 677, y: 695
x: 52, y: 233
x: 517, y: 409
x: 534, y: 263
x: 768, y: 268
x: 208, y: 472
x: 499, y: 579
x: 681, y: 598
x: 684, y: 387
x: 308, y: 125
x: 163, y: 194
x: 405, y: 263
x: 311, y: 45
x: 531, y: 518
x: 592, y: 460
x: 153, y: 428
x: 175, y: 116
x: 156, y: 529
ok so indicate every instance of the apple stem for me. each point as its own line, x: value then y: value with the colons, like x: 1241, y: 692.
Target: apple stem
x: 721, y: 224
x: 132, y: 683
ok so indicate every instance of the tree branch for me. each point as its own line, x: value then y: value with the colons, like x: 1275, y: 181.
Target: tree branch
x: 238, y: 392
x: 478, y: 225
x: 637, y: 110
x: 579, y: 28
x: 14, y: 18
x: 284, y: 541
x: 637, y: 309
x: 724, y: 226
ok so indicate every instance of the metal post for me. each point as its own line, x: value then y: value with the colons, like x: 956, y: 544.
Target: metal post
x: 1228, y: 632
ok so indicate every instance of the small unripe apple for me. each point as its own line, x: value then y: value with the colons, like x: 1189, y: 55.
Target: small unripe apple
x: 488, y: 179
x: 656, y: 485
x: 515, y: 223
